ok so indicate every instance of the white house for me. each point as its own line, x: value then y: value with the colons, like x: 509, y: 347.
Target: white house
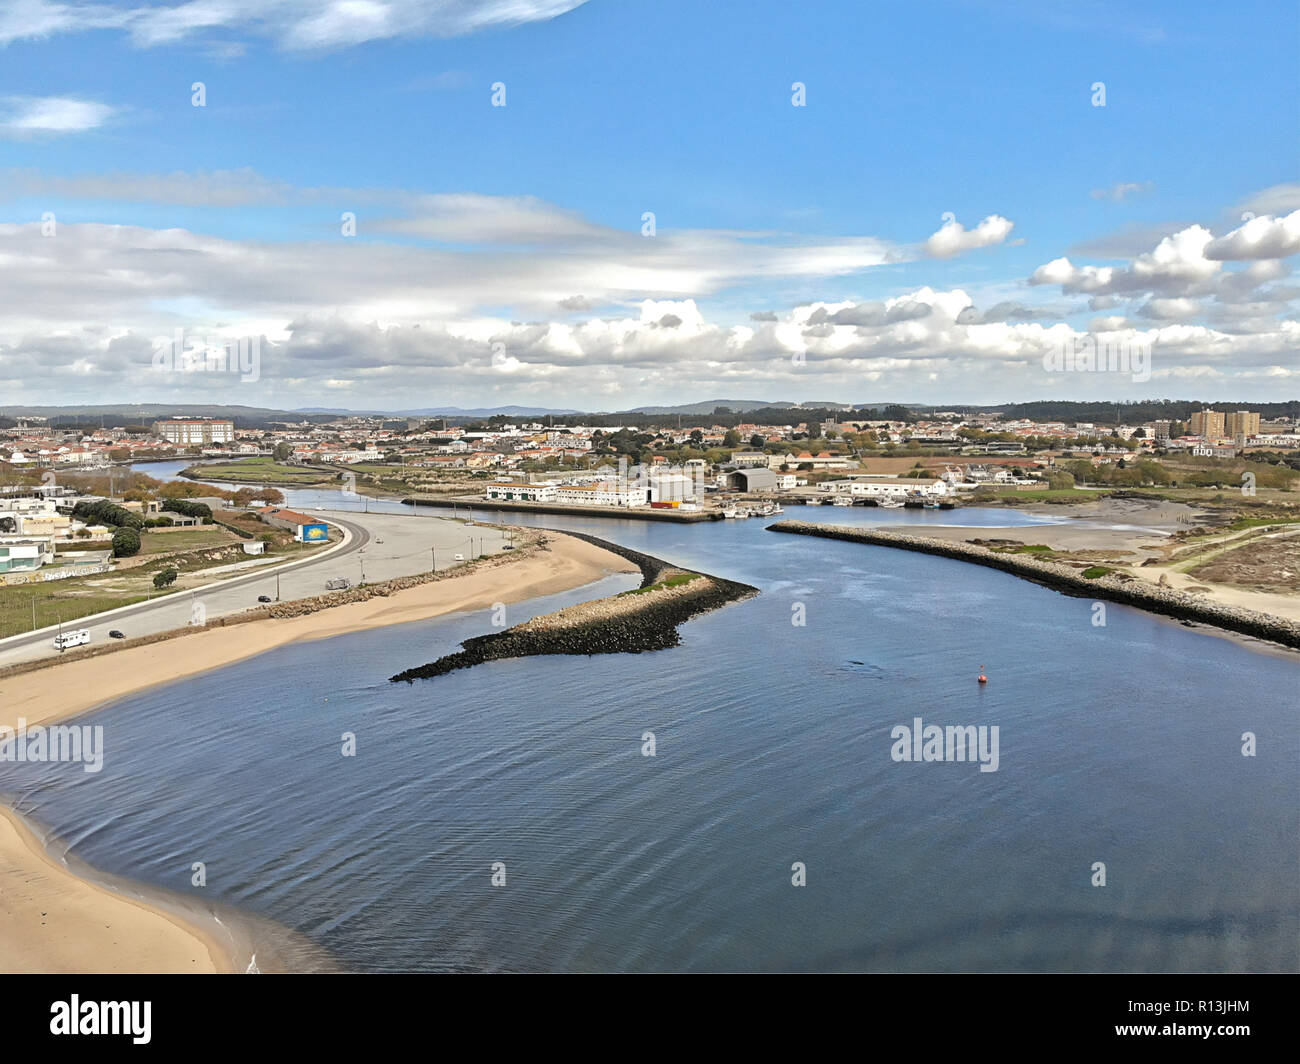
x: 895, y: 487
x: 602, y: 493
x: 25, y: 554
x: 542, y: 491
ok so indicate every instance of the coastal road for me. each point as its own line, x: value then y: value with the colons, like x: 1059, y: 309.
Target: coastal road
x: 379, y: 547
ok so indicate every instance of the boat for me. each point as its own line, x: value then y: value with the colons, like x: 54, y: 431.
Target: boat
x: 842, y: 500
x: 731, y: 513
x: 892, y: 504
x: 930, y: 506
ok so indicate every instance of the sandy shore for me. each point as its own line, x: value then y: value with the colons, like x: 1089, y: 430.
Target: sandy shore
x: 53, y: 921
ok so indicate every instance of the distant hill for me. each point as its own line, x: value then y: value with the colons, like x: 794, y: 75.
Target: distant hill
x: 443, y: 411
x: 736, y: 406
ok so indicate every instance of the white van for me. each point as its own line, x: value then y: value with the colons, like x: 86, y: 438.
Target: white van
x: 72, y: 639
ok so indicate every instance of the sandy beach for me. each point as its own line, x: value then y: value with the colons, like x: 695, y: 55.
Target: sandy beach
x: 54, y: 921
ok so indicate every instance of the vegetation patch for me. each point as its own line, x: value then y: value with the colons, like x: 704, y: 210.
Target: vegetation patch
x: 672, y: 581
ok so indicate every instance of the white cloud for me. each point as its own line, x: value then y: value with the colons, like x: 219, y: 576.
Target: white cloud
x: 33, y: 115
x: 1265, y: 237
x: 1177, y: 266
x: 295, y: 24
x: 595, y: 315
x: 954, y: 238
x: 1123, y: 190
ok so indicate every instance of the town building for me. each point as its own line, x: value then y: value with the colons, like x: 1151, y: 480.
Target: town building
x: 601, y: 493
x: 1207, y: 423
x: 25, y: 554
x: 305, y: 529
x: 512, y: 491
x: 1241, y: 423
x: 191, y: 432
x: 752, y: 479
x: 892, y: 488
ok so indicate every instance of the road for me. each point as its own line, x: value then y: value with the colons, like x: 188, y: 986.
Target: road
x: 378, y: 547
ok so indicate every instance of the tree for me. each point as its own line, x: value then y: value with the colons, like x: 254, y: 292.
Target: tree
x: 1060, y: 482
x: 282, y: 452
x: 126, y: 542
x: 730, y: 438
x: 757, y: 441
x: 165, y: 578
x: 200, y: 510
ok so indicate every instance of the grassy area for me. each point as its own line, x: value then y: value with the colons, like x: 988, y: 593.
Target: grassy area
x: 1243, y: 523
x: 1059, y: 495
x: 1094, y: 572
x: 66, y: 600
x: 258, y: 470
x: 189, y: 539
x: 672, y: 581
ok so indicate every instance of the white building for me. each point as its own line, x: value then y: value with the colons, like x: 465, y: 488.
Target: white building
x: 669, y: 487
x: 195, y: 431
x: 25, y: 554
x: 543, y: 491
x: 895, y: 488
x: 602, y: 493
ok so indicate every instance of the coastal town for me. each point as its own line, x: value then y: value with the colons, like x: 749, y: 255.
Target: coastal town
x: 86, y: 530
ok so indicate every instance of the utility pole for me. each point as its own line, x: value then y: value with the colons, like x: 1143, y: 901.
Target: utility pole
x: 277, y: 587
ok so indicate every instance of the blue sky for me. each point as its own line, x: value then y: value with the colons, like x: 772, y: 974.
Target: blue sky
x: 914, y: 113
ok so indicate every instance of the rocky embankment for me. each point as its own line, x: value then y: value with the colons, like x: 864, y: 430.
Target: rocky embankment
x: 1111, y: 586
x: 630, y: 623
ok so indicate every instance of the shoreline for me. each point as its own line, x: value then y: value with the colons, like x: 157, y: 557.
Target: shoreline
x: 90, y: 926
x: 1130, y: 591
x: 62, y: 916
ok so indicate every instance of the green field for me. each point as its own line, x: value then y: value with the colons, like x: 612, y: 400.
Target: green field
x: 66, y: 600
x: 1049, y: 495
x: 260, y: 470
x: 190, y: 539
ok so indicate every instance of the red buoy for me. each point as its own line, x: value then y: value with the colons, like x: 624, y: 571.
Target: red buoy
x: 983, y: 678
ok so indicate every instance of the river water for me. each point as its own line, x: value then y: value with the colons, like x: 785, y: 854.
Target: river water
x: 1119, y: 744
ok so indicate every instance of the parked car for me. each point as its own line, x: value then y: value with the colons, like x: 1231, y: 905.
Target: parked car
x: 508, y: 546
x: 115, y: 634
x: 459, y: 557
x: 263, y: 598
